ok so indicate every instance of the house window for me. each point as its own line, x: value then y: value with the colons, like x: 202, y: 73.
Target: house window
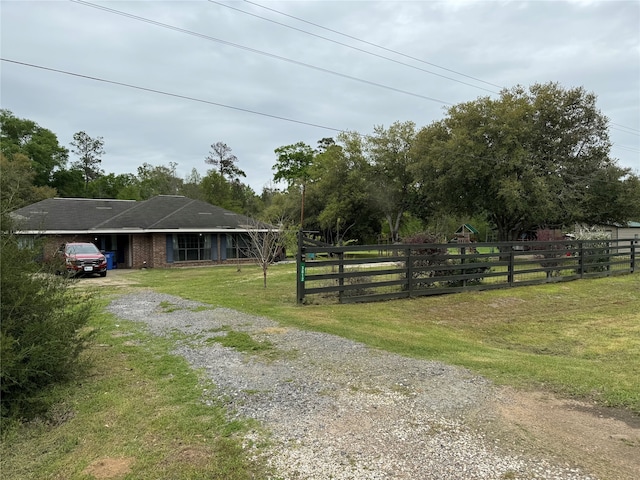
x: 238, y: 246
x: 191, y: 246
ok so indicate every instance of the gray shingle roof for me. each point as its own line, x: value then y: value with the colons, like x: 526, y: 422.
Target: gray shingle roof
x: 161, y: 213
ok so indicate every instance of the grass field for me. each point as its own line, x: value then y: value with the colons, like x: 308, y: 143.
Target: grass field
x: 139, y: 409
x: 578, y: 338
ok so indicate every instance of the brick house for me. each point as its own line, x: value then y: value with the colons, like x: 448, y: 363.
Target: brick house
x: 164, y: 231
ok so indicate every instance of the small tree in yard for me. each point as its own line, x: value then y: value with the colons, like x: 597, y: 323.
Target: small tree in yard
x: 266, y: 245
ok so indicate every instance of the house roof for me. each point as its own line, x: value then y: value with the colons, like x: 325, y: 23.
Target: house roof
x: 164, y: 213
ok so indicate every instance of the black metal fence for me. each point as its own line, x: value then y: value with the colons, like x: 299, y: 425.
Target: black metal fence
x: 381, y: 272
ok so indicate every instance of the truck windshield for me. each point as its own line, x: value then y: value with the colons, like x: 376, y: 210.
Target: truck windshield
x: 85, y: 248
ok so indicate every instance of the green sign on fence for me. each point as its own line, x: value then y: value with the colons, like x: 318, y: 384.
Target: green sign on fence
x: 302, y: 272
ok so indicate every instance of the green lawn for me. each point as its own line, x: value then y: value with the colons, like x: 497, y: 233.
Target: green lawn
x: 578, y: 338
x: 140, y: 408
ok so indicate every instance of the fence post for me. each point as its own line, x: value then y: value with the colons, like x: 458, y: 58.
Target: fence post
x: 581, y: 258
x: 633, y: 255
x: 300, y: 269
x: 511, y: 268
x: 409, y: 272
x: 341, y: 276
x: 463, y: 252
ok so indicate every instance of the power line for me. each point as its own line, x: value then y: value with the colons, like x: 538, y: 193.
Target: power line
x: 629, y: 130
x: 169, y: 94
x: 374, y: 45
x: 633, y: 130
x: 624, y: 147
x: 208, y: 102
x: 352, y: 47
x: 253, y: 50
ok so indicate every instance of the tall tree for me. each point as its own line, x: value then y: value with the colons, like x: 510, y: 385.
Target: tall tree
x: 158, y: 180
x: 392, y: 158
x: 17, y: 187
x: 69, y: 182
x: 221, y: 157
x: 294, y: 167
x: 39, y: 145
x: 192, y: 187
x: 342, y: 174
x: 113, y: 186
x: 89, y: 151
x: 526, y: 159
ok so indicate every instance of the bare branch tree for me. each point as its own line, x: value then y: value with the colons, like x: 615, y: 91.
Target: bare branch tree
x: 266, y: 245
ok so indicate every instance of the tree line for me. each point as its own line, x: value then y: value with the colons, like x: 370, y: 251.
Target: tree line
x: 531, y: 158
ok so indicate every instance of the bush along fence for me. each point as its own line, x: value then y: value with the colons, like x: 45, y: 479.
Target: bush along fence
x: 367, y: 273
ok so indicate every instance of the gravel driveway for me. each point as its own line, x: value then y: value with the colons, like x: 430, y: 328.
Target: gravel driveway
x: 337, y: 409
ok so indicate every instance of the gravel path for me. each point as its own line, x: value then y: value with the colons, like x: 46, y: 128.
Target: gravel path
x: 337, y: 409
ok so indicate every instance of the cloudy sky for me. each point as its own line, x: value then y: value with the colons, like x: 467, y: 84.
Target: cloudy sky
x: 161, y: 81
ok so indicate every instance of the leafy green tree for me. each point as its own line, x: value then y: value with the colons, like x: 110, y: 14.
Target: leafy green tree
x: 89, y: 151
x: 217, y: 191
x: 192, y: 186
x: 392, y: 157
x: 39, y: 145
x: 69, y: 183
x: 221, y: 157
x: 157, y: 180
x: 293, y: 165
x: 17, y: 187
x: 613, y: 197
x: 113, y: 186
x: 526, y: 159
x: 345, y: 211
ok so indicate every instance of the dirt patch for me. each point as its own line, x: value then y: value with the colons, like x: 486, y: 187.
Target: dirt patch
x: 109, y: 468
x: 605, y: 441
x: 114, y: 278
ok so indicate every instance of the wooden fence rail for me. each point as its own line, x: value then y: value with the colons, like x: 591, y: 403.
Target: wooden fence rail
x: 382, y: 272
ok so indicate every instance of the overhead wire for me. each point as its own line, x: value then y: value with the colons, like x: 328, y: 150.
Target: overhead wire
x: 253, y: 50
x: 352, y: 47
x: 210, y: 38
x: 208, y: 102
x: 169, y: 94
x: 217, y: 103
x: 374, y: 44
x: 629, y: 130
x: 337, y: 32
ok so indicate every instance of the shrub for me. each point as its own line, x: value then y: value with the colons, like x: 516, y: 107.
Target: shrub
x: 596, y: 249
x: 40, y: 329
x: 468, y: 271
x: 429, y: 247
x: 551, y: 260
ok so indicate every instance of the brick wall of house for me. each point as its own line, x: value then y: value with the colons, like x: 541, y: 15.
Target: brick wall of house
x: 148, y: 251
x: 159, y: 250
x: 52, y: 244
x: 142, y: 249
x: 159, y: 256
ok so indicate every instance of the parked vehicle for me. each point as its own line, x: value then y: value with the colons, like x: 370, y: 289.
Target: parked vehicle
x: 83, y: 258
